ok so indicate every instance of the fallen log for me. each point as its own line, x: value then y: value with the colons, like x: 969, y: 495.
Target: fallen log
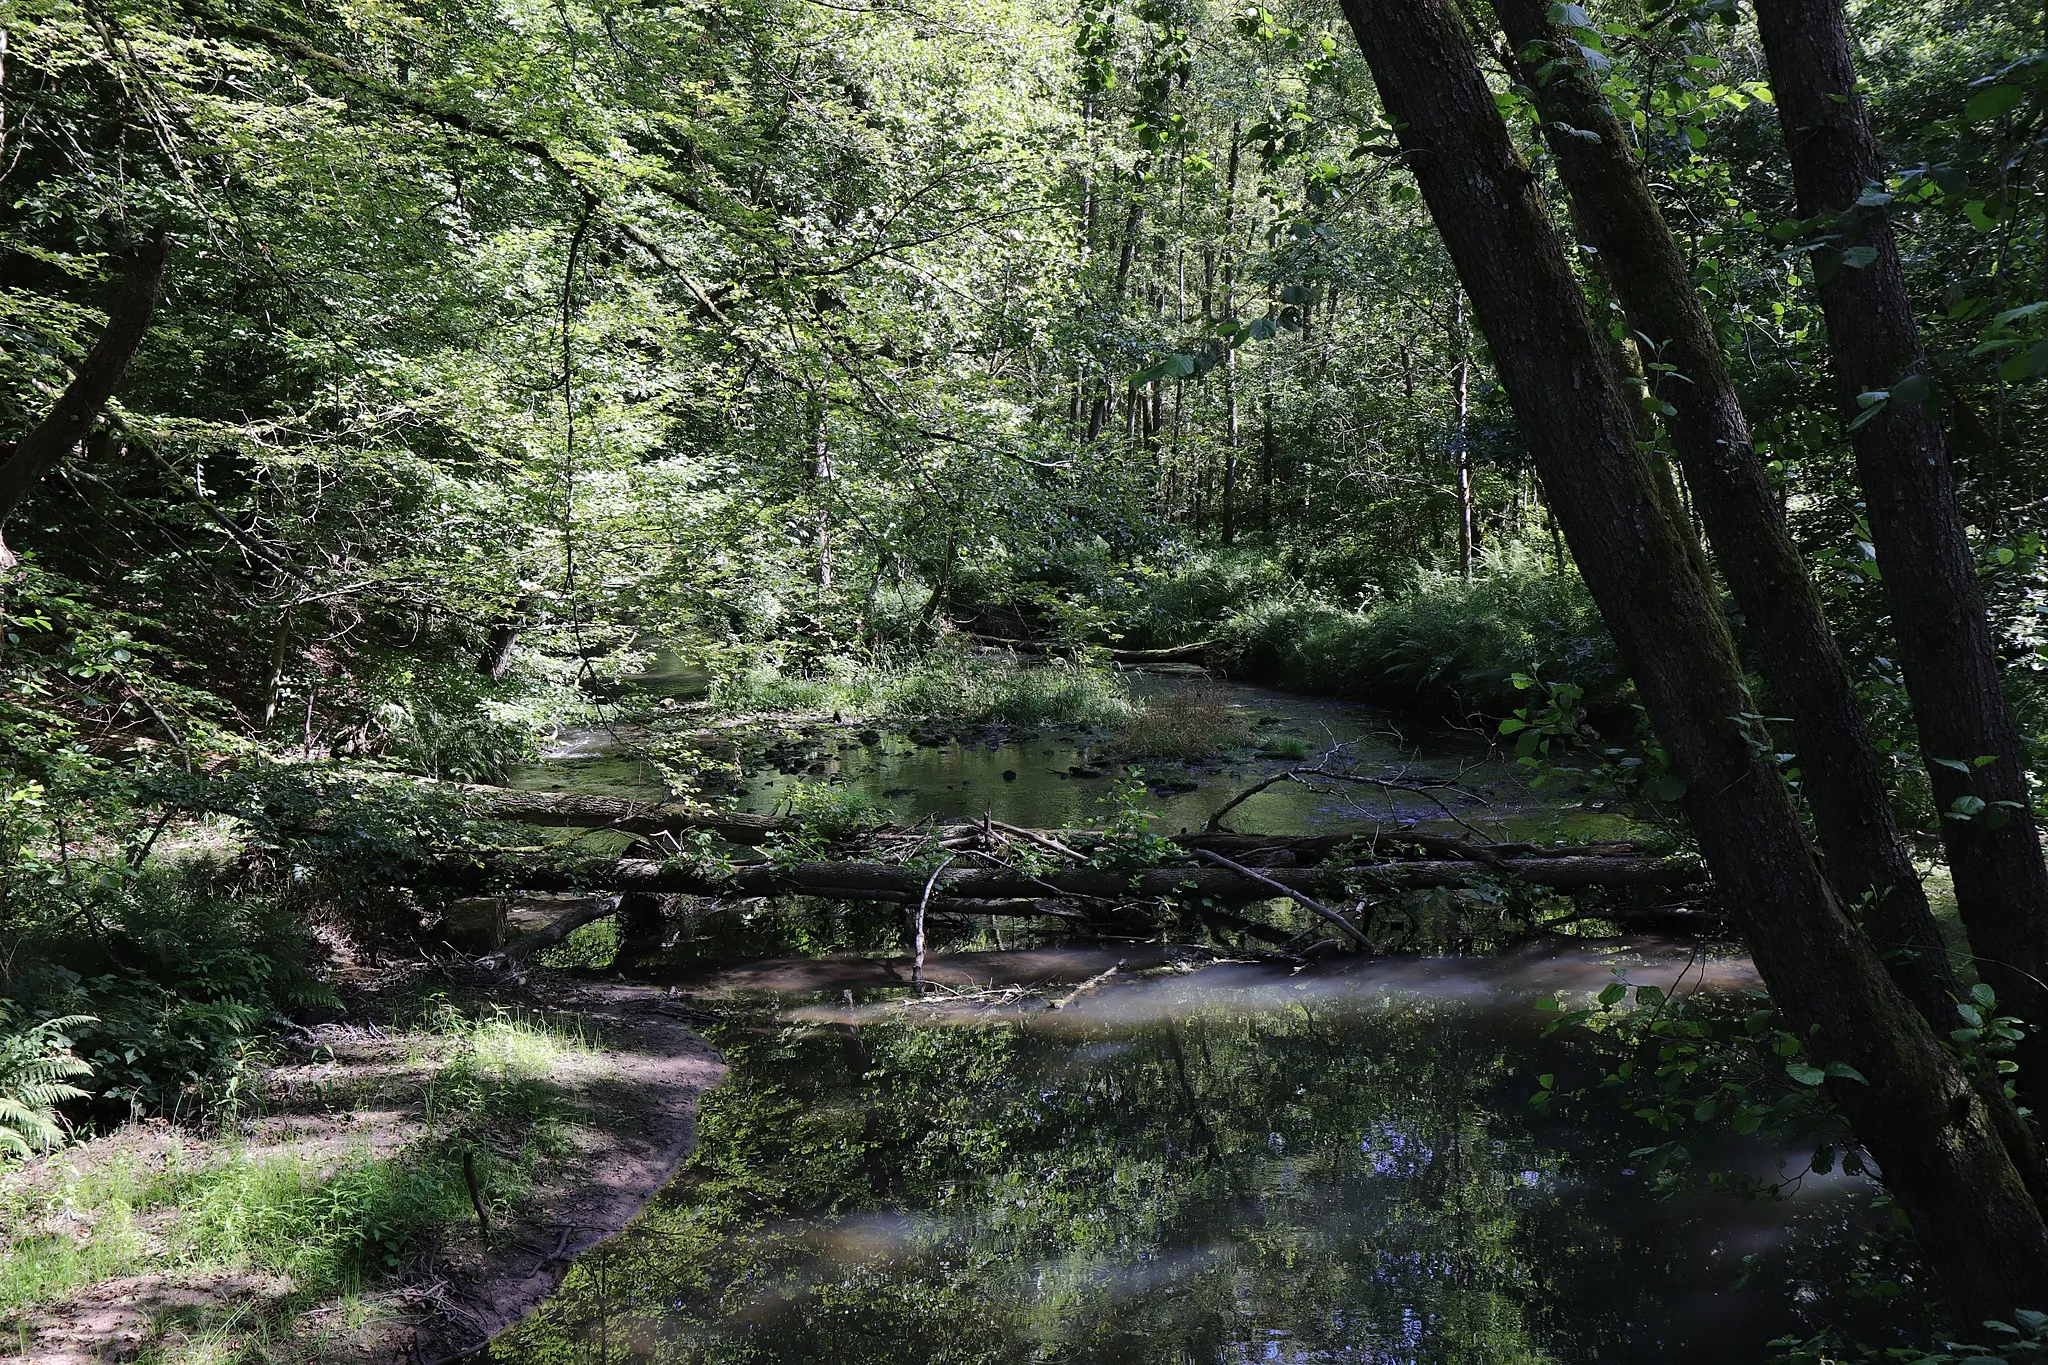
x: 855, y: 881
x: 569, y: 811
x: 1172, y: 654
x: 526, y: 945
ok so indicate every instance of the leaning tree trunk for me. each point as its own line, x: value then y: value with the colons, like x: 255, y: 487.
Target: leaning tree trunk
x: 1923, y: 549
x: 98, y: 375
x: 1917, y: 1113
x: 1642, y: 263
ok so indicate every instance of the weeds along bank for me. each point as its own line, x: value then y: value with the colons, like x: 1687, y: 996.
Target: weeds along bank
x: 1444, y: 644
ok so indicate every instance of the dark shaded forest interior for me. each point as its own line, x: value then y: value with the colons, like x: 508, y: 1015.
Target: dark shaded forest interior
x: 1350, y: 680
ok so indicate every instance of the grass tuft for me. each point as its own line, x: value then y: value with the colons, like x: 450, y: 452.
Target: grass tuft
x: 1186, y: 723
x: 957, y: 688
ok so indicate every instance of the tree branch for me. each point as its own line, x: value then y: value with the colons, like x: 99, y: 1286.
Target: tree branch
x: 79, y: 406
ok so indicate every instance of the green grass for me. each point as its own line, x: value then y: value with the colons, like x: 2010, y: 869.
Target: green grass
x: 959, y: 688
x: 493, y: 1087
x: 1185, y: 723
x: 1291, y: 747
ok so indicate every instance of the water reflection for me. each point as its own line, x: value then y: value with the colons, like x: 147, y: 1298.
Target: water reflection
x: 1238, y: 1165
x: 1060, y: 778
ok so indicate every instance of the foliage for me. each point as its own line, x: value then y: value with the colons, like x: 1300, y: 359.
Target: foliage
x: 1684, y: 1063
x: 2024, y: 1340
x: 958, y: 688
x: 829, y: 813
x: 181, y: 979
x: 1449, y: 644
x: 36, y: 1071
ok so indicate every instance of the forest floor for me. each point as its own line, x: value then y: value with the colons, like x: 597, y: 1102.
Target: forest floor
x: 336, y: 1219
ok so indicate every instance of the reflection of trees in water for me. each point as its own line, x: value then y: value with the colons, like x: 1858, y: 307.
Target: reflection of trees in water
x: 1366, y: 1180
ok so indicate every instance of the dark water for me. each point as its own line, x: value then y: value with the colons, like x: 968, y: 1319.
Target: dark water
x: 1226, y: 1164
x: 1231, y: 1164
x: 1428, y: 776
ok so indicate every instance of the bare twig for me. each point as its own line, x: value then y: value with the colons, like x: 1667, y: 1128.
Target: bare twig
x: 1090, y: 984
x: 923, y: 904
x: 1281, y: 888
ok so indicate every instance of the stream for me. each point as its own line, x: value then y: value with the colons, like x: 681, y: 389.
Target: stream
x: 1191, y: 1161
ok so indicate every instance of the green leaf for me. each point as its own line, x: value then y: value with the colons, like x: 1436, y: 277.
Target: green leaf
x: 1872, y: 402
x: 1548, y: 1080
x: 1984, y: 996
x: 2027, y: 365
x: 1842, y: 1071
x: 1913, y: 391
x: 1994, y: 101
x: 1612, y: 993
x: 1966, y: 807
x: 1804, y: 1074
x: 1570, y: 16
x: 1668, y: 787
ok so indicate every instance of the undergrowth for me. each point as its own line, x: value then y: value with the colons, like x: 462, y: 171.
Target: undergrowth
x: 490, y: 1089
x: 1437, y: 641
x: 942, y: 686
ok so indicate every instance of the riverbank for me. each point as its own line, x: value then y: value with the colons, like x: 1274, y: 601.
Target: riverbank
x: 339, y: 1218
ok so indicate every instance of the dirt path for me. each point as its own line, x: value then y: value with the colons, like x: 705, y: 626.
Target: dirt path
x: 353, y: 1093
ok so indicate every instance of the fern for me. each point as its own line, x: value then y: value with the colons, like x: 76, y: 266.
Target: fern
x: 36, y: 1067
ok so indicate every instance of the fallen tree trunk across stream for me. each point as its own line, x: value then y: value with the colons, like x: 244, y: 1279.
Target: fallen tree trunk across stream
x: 1091, y: 890
x: 571, y: 811
x: 867, y: 881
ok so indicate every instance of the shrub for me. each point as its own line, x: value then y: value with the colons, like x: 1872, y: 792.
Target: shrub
x: 1446, y: 644
x: 181, y: 978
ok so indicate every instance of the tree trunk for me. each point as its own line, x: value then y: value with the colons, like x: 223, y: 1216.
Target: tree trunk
x: 1918, y: 1114
x: 1844, y: 786
x: 504, y: 638
x: 821, y: 489
x: 98, y: 375
x: 1945, y: 644
x: 1461, y: 436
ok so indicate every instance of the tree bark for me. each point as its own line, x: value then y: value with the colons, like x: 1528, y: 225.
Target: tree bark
x: 1844, y: 787
x: 1229, y: 491
x: 98, y: 375
x: 1923, y: 549
x: 1917, y: 1113
x: 1462, y: 392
